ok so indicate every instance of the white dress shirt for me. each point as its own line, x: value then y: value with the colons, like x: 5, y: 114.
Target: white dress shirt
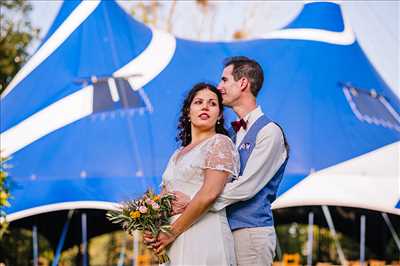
x: 267, y: 157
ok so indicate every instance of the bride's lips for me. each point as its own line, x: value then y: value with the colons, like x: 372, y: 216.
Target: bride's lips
x: 204, y: 116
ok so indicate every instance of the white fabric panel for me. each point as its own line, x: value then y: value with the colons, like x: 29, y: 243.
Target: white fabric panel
x: 370, y: 181
x: 72, y: 205
x: 146, y: 66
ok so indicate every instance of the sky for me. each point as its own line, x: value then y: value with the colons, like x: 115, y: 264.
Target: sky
x: 375, y: 23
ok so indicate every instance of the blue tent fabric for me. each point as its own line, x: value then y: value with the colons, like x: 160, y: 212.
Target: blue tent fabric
x: 120, y: 150
x: 65, y: 10
x: 324, y: 16
x: 92, y: 49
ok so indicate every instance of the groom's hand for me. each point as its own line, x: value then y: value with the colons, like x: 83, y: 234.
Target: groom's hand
x: 163, y: 241
x: 180, y: 202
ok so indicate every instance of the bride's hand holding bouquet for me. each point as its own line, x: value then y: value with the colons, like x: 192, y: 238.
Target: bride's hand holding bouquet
x: 149, y: 213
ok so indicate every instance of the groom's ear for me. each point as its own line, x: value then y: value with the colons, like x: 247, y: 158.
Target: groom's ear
x: 244, y: 82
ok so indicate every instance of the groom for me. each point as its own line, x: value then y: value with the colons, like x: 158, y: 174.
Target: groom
x: 263, y: 156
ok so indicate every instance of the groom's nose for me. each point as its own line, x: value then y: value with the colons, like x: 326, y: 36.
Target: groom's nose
x: 219, y: 87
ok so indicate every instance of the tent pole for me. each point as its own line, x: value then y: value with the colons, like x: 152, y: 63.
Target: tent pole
x: 133, y: 251
x: 332, y: 230
x: 84, y: 240
x: 391, y: 228
x: 362, y: 240
x: 278, y: 249
x: 135, y: 247
x: 35, y: 246
x: 62, y: 239
x: 310, y: 238
x: 122, y: 254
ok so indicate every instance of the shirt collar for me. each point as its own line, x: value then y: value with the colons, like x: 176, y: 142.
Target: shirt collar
x: 251, y: 117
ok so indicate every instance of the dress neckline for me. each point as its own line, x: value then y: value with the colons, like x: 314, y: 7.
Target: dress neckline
x: 178, y: 158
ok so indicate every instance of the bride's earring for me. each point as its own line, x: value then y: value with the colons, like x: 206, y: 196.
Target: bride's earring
x: 218, y: 122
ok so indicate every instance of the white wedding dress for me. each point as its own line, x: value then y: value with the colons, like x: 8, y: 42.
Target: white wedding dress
x: 209, y: 241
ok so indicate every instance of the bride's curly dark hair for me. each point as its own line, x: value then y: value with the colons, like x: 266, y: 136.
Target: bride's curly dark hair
x: 184, y: 126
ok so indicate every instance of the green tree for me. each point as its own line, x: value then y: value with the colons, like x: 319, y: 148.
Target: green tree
x: 16, y: 33
x: 16, y: 248
x: 4, y: 195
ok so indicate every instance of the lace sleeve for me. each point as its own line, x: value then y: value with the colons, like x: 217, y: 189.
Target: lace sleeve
x: 222, y: 155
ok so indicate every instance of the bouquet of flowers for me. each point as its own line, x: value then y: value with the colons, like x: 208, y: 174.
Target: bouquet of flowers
x: 151, y: 213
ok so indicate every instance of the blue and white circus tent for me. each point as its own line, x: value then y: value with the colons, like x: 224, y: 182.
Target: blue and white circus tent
x: 91, y: 119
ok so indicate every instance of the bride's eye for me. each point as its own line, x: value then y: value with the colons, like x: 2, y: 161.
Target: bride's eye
x: 212, y: 103
x: 197, y: 102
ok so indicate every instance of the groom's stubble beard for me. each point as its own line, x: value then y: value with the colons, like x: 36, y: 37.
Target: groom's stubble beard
x: 231, y: 104
x: 226, y: 103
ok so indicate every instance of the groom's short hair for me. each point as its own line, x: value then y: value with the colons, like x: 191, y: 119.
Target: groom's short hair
x: 248, y: 68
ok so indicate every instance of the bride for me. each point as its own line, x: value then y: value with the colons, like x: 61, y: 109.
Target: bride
x: 206, y: 160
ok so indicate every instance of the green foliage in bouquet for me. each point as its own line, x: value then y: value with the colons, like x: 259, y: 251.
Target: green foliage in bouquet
x: 151, y: 213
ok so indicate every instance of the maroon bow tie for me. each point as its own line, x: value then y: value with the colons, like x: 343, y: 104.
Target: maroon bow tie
x: 236, y: 125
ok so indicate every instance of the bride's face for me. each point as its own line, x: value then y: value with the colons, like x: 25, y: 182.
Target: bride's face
x: 204, y: 110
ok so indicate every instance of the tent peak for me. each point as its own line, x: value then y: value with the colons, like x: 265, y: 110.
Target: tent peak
x: 318, y: 21
x: 319, y: 15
